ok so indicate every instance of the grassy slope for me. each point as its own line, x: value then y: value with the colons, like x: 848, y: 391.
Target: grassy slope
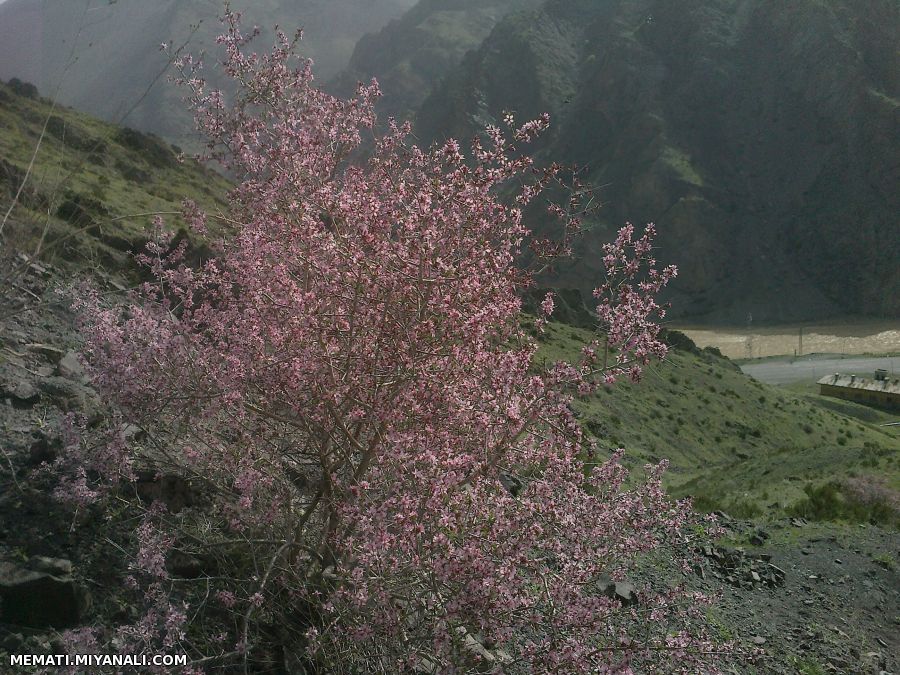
x: 109, y: 173
x: 731, y: 440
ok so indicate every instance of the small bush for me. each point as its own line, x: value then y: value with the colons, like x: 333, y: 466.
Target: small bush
x: 742, y: 507
x: 736, y: 507
x: 151, y: 148
x: 21, y: 88
x: 862, y: 499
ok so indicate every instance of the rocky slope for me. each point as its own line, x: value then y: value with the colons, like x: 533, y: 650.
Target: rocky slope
x: 762, y: 136
x: 813, y: 598
x: 107, y: 53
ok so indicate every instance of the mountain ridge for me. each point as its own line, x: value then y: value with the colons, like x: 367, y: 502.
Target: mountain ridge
x: 759, y: 136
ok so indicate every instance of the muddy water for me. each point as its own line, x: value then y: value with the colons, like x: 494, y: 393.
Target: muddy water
x: 861, y: 337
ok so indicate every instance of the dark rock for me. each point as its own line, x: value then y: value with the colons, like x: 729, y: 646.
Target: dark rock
x: 44, y: 449
x: 69, y: 395
x: 132, y: 432
x: 173, y: 491
x: 51, y: 353
x: 54, y: 566
x: 39, y: 599
x: 184, y: 565
x: 513, y: 484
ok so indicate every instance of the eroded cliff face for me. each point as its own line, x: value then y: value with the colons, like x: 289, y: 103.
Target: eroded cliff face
x: 762, y: 136
x: 413, y: 54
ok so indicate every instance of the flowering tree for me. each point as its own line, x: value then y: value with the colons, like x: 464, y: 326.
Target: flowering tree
x: 389, y: 484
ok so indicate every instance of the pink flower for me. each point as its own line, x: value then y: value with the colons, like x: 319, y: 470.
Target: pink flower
x: 349, y: 383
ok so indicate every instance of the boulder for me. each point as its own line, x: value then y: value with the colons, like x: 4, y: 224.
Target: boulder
x: 55, y: 566
x: 44, y: 449
x: 69, y: 395
x: 69, y: 366
x: 622, y: 591
x: 49, y: 352
x: 513, y: 484
x: 41, y: 595
x: 22, y: 393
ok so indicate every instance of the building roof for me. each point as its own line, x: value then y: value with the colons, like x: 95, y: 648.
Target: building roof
x: 887, y: 385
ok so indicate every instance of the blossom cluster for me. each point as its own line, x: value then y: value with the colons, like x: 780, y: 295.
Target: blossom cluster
x: 349, y: 381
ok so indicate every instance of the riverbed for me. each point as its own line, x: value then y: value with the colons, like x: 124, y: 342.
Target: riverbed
x: 842, y: 338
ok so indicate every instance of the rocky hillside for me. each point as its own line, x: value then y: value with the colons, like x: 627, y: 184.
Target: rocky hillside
x: 761, y: 136
x: 107, y: 53
x: 412, y: 54
x: 814, y: 596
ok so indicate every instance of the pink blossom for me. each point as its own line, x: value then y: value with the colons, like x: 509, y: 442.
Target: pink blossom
x: 351, y: 380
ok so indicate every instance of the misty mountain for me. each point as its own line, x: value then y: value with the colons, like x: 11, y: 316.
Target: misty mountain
x: 412, y: 54
x: 763, y: 137
x: 106, y: 52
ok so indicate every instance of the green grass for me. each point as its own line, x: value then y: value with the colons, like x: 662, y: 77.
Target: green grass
x: 808, y: 666
x: 832, y: 501
x: 89, y: 180
x: 733, y: 443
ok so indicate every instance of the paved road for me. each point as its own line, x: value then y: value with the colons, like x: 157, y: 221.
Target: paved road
x: 812, y: 368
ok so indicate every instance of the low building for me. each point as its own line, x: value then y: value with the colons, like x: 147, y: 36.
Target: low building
x: 880, y: 391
